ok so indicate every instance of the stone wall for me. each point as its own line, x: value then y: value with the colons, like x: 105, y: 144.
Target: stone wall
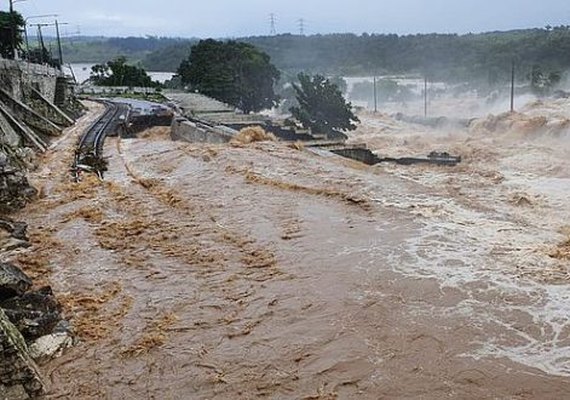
x: 28, y: 120
x: 14, y: 75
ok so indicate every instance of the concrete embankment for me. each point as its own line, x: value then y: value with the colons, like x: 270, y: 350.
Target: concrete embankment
x: 194, y: 124
x: 184, y: 129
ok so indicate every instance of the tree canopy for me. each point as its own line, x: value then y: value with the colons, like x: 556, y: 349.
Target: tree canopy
x: 233, y: 72
x: 10, y: 23
x: 322, y: 108
x: 119, y: 73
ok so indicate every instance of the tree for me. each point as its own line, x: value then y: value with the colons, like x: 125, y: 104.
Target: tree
x: 340, y: 83
x: 10, y: 24
x: 321, y: 106
x: 542, y: 83
x: 118, y: 73
x: 235, y: 73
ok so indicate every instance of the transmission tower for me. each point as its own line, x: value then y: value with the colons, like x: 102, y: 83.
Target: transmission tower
x: 272, y: 20
x: 301, y: 23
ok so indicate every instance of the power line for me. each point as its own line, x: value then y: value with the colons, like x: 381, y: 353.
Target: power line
x: 272, y: 20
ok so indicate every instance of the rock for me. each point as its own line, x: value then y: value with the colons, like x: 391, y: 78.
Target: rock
x: 13, y: 282
x: 35, y: 313
x: 50, y: 346
x: 19, y: 375
x: 8, y: 244
x: 15, y: 190
x: 13, y: 235
x: 18, y: 230
x: 16, y: 392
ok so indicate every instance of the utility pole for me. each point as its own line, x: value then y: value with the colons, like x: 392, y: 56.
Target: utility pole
x: 272, y: 30
x: 41, y: 39
x: 425, y: 96
x: 13, y: 24
x: 42, y: 46
x: 513, y: 86
x: 60, y: 51
x: 301, y: 23
x: 26, y: 30
x: 375, y: 96
x: 12, y: 31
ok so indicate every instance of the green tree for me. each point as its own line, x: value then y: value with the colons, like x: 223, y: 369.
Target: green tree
x: 542, y: 83
x: 10, y: 24
x: 118, y: 73
x: 321, y: 106
x: 235, y: 73
x: 340, y: 83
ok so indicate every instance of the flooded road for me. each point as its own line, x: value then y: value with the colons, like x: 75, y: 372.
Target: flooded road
x: 261, y: 271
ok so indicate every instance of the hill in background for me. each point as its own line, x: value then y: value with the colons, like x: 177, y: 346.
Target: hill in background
x: 485, y: 56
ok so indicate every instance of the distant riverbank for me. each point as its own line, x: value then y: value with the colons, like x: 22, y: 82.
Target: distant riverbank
x: 83, y: 71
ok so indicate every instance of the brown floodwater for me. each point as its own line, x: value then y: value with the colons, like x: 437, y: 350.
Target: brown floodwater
x: 261, y: 271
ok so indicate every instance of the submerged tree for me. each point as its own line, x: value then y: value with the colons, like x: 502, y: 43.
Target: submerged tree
x: 542, y: 83
x: 235, y: 73
x: 322, y: 108
x: 118, y: 73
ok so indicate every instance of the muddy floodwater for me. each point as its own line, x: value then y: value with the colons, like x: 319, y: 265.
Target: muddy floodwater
x: 264, y: 271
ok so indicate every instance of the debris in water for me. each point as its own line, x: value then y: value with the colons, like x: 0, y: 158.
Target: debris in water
x: 155, y: 335
x: 562, y: 251
x: 253, y: 134
x: 96, y: 315
x: 521, y: 200
x: 252, y: 177
x: 298, y: 145
x: 436, y: 158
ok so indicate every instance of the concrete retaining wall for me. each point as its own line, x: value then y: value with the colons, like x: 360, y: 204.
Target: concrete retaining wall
x: 15, y: 74
x: 183, y: 129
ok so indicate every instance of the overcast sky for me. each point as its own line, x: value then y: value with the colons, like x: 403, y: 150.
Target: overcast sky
x: 234, y: 18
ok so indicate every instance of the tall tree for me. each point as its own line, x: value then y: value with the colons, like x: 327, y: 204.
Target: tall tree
x: 10, y: 24
x: 321, y: 106
x: 235, y: 73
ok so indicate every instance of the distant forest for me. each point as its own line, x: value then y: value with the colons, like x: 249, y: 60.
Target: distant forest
x: 99, y: 50
x: 476, y: 57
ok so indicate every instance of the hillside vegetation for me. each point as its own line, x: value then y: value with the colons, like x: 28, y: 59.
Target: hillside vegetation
x: 88, y: 49
x: 485, y: 56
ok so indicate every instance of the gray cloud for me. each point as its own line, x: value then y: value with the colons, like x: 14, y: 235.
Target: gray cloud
x: 225, y: 18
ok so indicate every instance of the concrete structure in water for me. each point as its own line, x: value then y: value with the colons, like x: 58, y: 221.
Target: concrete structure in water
x: 194, y: 132
x: 201, y: 128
